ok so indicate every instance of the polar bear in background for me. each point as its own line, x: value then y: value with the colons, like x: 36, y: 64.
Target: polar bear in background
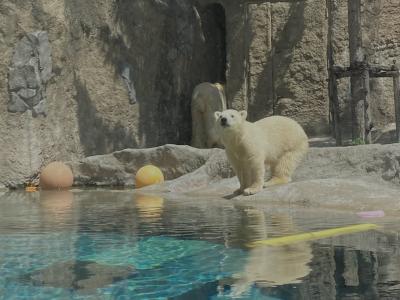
x: 277, y: 141
x: 207, y: 98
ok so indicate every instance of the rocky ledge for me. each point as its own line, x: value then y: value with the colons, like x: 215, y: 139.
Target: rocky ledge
x: 362, y: 177
x: 186, y: 168
x: 119, y: 168
x: 366, y: 176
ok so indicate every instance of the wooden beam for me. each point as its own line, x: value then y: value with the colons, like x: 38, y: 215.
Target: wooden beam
x: 396, y: 87
x: 335, y: 107
x: 341, y: 72
x: 381, y: 73
x: 367, y: 106
x: 374, y: 71
x: 359, y: 88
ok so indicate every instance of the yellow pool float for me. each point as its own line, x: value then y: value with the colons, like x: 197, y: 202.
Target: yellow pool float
x: 309, y: 236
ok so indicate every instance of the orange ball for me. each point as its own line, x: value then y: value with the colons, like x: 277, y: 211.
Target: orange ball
x: 148, y: 175
x: 56, y: 175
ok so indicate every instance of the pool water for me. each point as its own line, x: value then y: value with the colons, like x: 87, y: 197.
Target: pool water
x: 102, y: 244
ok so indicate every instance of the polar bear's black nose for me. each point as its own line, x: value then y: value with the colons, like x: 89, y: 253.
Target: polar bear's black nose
x: 223, y: 121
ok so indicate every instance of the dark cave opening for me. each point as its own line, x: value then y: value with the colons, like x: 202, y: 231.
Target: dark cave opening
x: 214, y: 31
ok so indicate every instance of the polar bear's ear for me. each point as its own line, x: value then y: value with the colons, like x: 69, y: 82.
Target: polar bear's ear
x: 243, y: 114
x: 217, y: 114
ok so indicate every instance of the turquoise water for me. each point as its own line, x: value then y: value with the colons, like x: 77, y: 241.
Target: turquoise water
x: 162, y: 267
x: 115, y: 245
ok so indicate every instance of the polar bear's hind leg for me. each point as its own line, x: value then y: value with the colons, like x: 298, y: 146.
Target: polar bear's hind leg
x: 283, y: 169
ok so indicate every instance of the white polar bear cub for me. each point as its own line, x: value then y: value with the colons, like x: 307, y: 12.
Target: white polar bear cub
x: 277, y: 141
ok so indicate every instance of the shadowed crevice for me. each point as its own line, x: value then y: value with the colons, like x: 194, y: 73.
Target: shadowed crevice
x: 96, y: 135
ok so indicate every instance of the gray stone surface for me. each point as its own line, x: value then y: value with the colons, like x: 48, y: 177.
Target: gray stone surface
x: 127, y: 76
x: 41, y: 41
x: 375, y: 161
x: 358, y: 177
x: 361, y: 193
x: 31, y: 68
x: 119, y: 168
x: 17, y: 104
x: 362, y: 177
x: 385, y: 135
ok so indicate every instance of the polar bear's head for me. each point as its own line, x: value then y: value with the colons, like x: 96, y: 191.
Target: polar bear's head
x: 230, y: 118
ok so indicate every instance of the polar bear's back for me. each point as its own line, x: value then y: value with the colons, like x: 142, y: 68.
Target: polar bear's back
x: 209, y: 97
x: 282, y: 132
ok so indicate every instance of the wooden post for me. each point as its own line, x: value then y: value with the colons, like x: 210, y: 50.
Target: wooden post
x: 367, y: 107
x: 396, y: 87
x: 332, y: 83
x: 359, y: 76
x: 334, y: 103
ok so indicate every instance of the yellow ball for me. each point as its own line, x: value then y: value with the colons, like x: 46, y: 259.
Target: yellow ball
x: 148, y: 175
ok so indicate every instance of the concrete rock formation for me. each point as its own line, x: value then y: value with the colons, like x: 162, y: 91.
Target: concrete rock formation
x: 188, y: 169
x: 358, y: 177
x: 30, y: 70
x: 119, y: 168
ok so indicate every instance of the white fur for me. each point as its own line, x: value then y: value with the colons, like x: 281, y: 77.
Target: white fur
x: 277, y: 141
x: 207, y: 98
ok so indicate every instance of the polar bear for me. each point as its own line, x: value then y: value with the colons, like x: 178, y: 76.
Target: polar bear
x: 277, y: 141
x: 207, y: 98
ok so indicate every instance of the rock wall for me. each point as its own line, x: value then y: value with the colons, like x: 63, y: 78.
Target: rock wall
x: 122, y: 76
x: 381, y: 41
x: 286, y: 66
x: 122, y: 72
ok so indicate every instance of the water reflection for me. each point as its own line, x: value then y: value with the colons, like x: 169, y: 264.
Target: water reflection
x: 56, y: 206
x: 268, y: 266
x: 82, y: 276
x: 163, y: 235
x: 149, y: 207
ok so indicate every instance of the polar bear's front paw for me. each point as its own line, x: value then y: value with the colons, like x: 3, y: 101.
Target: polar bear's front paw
x: 251, y: 191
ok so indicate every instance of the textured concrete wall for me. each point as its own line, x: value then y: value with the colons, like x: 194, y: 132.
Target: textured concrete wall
x: 104, y: 56
x: 285, y: 62
x: 89, y: 109
x: 260, y: 81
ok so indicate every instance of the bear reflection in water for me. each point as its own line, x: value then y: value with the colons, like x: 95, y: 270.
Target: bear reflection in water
x: 268, y: 266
